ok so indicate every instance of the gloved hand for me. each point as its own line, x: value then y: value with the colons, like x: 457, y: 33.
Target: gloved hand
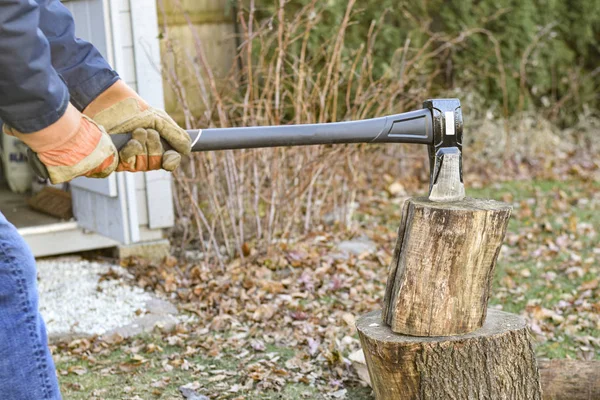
x: 72, y: 146
x: 119, y: 109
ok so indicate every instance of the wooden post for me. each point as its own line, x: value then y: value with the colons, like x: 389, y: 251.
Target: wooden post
x: 441, y: 273
x: 495, y: 362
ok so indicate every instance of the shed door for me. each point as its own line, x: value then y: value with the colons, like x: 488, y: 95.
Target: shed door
x: 106, y: 206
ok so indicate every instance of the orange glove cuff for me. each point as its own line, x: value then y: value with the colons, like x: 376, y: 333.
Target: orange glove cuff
x: 53, y: 136
x: 72, y: 146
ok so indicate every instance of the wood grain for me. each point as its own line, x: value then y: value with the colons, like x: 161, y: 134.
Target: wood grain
x: 441, y: 273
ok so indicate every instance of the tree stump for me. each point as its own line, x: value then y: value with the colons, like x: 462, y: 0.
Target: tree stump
x: 493, y: 363
x: 441, y: 274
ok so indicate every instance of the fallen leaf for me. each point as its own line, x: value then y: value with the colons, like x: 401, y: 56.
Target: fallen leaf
x: 77, y: 370
x: 191, y: 394
x: 340, y: 394
x: 590, y: 285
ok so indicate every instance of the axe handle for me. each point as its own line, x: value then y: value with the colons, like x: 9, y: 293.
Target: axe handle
x: 409, y: 127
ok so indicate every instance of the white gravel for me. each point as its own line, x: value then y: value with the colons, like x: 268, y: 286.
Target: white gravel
x: 72, y: 301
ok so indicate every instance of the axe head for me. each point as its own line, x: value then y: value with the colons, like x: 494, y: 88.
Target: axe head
x: 445, y: 153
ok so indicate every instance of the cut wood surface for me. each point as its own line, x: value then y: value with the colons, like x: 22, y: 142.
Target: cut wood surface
x: 570, y: 379
x: 496, y: 362
x: 441, y: 274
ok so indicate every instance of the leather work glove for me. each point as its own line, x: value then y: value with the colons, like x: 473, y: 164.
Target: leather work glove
x: 72, y: 146
x: 119, y: 109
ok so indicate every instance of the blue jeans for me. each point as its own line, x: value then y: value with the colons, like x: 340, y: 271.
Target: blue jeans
x: 26, y: 368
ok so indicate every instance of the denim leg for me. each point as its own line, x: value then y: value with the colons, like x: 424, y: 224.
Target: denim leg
x: 26, y: 368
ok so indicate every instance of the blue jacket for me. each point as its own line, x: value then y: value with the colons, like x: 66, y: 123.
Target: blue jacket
x: 43, y: 65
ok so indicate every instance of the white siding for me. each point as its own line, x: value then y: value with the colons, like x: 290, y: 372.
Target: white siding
x: 123, y: 32
x: 103, y: 206
x: 88, y: 25
x: 142, y: 206
x: 129, y: 40
x: 123, y: 5
x: 159, y: 195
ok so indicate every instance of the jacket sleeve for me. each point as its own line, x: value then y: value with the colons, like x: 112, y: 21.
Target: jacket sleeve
x: 32, y: 95
x: 85, y: 71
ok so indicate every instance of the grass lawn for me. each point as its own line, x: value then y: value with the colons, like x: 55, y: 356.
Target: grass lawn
x: 151, y: 381
x: 548, y: 272
x: 550, y: 269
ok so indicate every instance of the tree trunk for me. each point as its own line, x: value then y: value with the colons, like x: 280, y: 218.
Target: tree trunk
x: 570, y: 379
x: 441, y: 273
x: 493, y: 363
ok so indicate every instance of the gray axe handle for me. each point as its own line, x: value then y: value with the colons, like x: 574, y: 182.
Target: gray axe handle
x: 409, y: 127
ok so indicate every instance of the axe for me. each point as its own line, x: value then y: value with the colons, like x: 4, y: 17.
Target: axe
x: 438, y: 124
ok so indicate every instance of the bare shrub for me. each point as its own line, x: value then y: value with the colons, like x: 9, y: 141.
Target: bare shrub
x: 229, y: 202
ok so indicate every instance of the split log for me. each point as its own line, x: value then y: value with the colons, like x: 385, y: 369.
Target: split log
x: 495, y: 362
x: 570, y: 379
x: 441, y: 274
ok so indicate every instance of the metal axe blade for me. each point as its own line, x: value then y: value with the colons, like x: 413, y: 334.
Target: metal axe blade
x: 445, y: 153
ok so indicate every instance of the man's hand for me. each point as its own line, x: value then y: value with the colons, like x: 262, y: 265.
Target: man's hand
x: 120, y: 109
x: 72, y: 146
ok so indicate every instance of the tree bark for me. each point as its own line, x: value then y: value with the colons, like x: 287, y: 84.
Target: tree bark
x: 496, y: 362
x: 570, y: 379
x: 441, y: 273
x: 560, y: 379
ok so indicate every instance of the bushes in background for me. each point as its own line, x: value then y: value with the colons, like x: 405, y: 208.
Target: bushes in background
x: 517, y: 55
x: 307, y: 61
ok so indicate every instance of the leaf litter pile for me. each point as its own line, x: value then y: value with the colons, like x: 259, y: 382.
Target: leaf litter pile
x: 281, y: 325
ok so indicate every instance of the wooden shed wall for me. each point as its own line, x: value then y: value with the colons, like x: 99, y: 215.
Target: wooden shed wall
x: 212, y: 22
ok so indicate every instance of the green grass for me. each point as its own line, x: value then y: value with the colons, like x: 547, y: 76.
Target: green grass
x: 138, y: 381
x: 537, y: 289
